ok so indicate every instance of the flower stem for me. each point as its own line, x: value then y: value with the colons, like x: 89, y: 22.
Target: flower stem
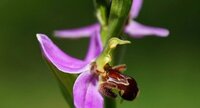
x: 119, y: 13
x: 112, y: 15
x: 109, y: 103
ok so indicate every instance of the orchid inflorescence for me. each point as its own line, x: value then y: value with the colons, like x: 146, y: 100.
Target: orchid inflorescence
x: 97, y: 77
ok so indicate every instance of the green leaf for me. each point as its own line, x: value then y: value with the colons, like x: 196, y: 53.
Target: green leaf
x: 65, y: 82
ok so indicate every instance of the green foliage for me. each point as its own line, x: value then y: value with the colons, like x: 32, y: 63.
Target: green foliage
x: 65, y: 82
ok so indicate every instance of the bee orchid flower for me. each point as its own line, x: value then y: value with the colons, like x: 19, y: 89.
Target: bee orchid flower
x: 132, y: 28
x: 97, y: 77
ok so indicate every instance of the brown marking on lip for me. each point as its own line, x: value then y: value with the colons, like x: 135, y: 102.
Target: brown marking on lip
x: 114, y: 79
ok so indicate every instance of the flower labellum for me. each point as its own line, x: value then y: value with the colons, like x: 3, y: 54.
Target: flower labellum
x: 114, y: 79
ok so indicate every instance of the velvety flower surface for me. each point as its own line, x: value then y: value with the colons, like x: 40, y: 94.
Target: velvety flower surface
x: 133, y: 28
x: 85, y: 90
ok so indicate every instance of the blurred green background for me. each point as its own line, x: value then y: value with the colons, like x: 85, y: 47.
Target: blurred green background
x: 167, y: 69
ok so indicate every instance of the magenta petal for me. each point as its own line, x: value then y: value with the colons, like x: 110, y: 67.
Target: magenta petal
x: 86, y: 93
x: 62, y: 61
x: 95, y: 46
x: 78, y: 32
x: 93, y: 98
x: 137, y: 30
x: 135, y: 8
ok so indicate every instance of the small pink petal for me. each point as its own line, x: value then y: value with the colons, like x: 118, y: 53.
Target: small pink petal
x: 78, y: 32
x: 137, y: 30
x: 135, y: 8
x: 86, y: 93
x: 62, y: 61
x: 95, y: 46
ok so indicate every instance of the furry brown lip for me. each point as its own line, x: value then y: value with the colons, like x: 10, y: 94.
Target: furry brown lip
x: 113, y: 79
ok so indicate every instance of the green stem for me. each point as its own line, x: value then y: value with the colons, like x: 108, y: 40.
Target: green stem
x: 112, y: 16
x: 119, y: 13
x: 109, y: 103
